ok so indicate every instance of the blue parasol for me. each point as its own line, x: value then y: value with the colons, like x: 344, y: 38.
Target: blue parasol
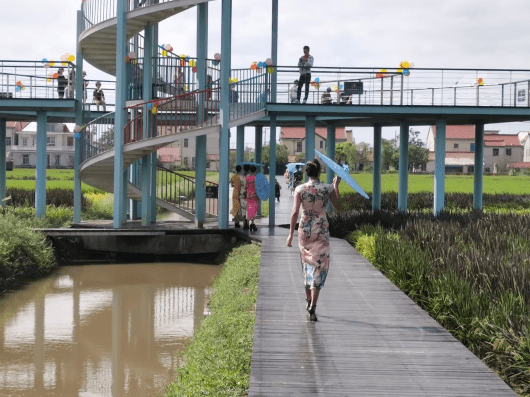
x: 344, y: 175
x: 292, y: 166
x: 262, y: 186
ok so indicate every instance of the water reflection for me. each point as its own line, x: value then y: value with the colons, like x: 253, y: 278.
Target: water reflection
x: 112, y: 330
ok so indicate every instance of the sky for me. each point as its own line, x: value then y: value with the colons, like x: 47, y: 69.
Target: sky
x: 361, y: 33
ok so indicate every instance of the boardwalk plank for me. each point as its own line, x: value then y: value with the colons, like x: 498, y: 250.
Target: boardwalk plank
x: 370, y: 340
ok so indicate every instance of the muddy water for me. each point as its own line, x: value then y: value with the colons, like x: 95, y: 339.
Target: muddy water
x: 109, y: 330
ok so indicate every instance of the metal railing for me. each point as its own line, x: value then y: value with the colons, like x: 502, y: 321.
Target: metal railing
x: 415, y: 87
x: 97, y: 136
x: 179, y: 189
x: 97, y: 11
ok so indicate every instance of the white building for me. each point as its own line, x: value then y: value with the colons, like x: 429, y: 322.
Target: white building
x: 21, y: 145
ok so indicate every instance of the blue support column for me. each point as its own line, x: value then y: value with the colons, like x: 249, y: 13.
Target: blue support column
x: 125, y: 206
x: 376, y: 182
x: 40, y: 172
x: 258, y: 153
x: 120, y: 116
x: 310, y: 126
x: 479, y: 167
x: 79, y: 96
x: 200, y: 141
x: 272, y: 171
x: 439, y: 167
x: 200, y: 180
x: 3, y: 129
x: 274, y: 49
x: 403, y: 167
x: 330, y: 152
x: 224, y: 139
x: 147, y: 95
x: 240, y: 145
x: 152, y: 156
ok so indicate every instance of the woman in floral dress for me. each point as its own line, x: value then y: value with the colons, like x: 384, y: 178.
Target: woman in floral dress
x: 252, y: 198
x: 313, y: 230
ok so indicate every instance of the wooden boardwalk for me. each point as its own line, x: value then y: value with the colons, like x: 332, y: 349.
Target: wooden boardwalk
x: 370, y: 340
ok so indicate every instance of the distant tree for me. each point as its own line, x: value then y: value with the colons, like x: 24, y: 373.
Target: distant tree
x: 418, y: 153
x: 282, y: 153
x: 363, y: 154
x: 300, y: 156
x: 106, y: 140
x: 345, y: 151
x: 388, y: 149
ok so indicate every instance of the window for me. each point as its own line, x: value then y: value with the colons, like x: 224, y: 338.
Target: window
x: 33, y: 142
x: 455, y: 145
x: 471, y: 147
x: 24, y: 141
x: 51, y: 127
x: 57, y: 160
x: 299, y: 146
x: 470, y: 168
x: 8, y: 141
x: 186, y: 142
x: 495, y: 151
x: 50, y: 141
x: 25, y: 159
x: 186, y: 161
x: 487, y: 169
x: 321, y: 144
x: 508, y: 151
x: 70, y: 141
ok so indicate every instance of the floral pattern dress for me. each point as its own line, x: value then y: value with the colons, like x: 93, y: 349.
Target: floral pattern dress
x: 313, y: 232
x: 252, y: 197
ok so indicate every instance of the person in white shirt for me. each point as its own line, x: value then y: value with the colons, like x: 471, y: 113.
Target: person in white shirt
x: 304, y: 64
x: 292, y: 92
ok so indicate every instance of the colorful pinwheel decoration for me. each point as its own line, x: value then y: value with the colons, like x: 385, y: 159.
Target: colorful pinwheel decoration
x: 404, y: 67
x: 19, y: 86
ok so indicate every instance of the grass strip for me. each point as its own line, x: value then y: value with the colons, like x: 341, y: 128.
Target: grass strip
x: 217, y: 362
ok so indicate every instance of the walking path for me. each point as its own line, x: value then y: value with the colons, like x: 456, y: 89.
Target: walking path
x: 370, y: 338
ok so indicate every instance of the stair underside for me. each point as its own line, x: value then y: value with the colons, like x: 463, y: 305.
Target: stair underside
x: 98, y: 42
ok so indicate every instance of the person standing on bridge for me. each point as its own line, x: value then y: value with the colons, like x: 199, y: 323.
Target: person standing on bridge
x: 305, y: 63
x: 99, y: 97
x: 313, y: 230
x: 61, y: 83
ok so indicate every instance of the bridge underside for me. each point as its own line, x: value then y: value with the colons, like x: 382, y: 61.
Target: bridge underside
x: 387, y: 115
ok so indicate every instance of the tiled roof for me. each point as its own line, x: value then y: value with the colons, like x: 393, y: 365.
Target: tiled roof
x: 213, y: 156
x: 299, y: 133
x: 457, y: 131
x: 18, y: 125
x: 168, y: 154
x: 519, y: 164
x: 501, y: 140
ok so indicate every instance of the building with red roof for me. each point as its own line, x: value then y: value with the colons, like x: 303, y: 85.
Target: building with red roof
x: 294, y: 139
x: 500, y: 150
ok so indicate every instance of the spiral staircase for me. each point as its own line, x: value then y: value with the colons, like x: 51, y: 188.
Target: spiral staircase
x: 98, y: 44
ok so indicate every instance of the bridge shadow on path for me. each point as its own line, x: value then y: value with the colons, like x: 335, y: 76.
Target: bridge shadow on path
x: 370, y: 338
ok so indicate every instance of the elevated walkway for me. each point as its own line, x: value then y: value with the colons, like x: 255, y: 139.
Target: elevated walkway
x: 370, y: 338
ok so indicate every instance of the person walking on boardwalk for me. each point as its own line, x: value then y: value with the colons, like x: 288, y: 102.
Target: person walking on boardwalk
x: 236, y: 203
x: 304, y: 64
x: 243, y: 194
x: 277, y: 189
x: 252, y: 198
x: 313, y: 231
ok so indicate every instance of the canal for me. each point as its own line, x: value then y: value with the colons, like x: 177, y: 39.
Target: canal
x: 101, y: 330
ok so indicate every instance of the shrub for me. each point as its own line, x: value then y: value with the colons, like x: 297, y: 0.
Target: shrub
x: 24, y: 253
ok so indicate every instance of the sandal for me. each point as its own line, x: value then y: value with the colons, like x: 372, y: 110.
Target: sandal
x: 312, y: 315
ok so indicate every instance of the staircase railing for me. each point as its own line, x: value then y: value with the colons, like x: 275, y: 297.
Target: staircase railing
x: 97, y: 136
x: 179, y: 189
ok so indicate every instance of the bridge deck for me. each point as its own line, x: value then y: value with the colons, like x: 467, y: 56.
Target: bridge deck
x: 371, y: 339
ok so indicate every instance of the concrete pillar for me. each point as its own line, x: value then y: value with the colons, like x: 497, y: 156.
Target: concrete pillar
x: 224, y: 139
x: 376, y: 181
x: 403, y: 166
x: 274, y: 50
x: 439, y: 167
x: 3, y: 129
x: 240, y: 145
x: 79, y: 96
x: 40, y: 172
x: 479, y: 167
x: 147, y: 95
x: 310, y: 126
x: 120, y: 115
x: 200, y: 141
x: 272, y: 170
